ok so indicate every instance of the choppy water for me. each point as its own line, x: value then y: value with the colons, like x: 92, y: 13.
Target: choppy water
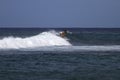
x: 90, y: 54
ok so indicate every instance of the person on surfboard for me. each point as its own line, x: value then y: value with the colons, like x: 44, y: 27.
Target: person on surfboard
x: 63, y: 33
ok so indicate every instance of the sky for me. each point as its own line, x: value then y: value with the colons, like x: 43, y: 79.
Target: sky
x: 60, y: 13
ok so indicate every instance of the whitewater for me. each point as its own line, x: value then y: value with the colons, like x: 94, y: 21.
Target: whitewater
x: 49, y: 38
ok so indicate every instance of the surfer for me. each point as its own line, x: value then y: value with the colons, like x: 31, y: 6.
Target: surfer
x: 63, y: 33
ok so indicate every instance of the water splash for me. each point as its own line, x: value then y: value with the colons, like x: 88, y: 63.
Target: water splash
x: 49, y: 38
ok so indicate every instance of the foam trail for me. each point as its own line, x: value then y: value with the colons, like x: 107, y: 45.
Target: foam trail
x: 97, y: 48
x: 76, y: 48
x: 40, y: 40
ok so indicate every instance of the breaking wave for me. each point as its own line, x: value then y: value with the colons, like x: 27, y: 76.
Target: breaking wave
x: 50, y: 41
x: 49, y: 38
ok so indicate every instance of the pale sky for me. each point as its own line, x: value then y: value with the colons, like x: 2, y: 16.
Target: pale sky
x: 60, y: 13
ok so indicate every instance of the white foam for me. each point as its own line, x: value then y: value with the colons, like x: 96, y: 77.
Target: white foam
x: 97, y: 48
x: 40, y: 40
x: 76, y: 48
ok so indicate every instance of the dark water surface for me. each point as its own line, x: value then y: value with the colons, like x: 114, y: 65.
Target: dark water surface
x: 59, y: 66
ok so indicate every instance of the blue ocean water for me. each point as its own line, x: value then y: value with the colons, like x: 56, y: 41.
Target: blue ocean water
x: 40, y: 54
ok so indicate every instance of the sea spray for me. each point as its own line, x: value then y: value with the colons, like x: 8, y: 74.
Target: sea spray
x: 50, y: 38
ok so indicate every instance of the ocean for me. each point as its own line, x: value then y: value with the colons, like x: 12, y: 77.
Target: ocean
x: 41, y: 54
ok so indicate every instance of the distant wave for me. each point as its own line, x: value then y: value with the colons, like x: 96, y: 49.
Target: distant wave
x: 97, y: 48
x: 49, y: 38
x: 76, y: 48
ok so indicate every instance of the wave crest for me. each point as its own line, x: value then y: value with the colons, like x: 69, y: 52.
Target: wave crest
x: 42, y: 39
